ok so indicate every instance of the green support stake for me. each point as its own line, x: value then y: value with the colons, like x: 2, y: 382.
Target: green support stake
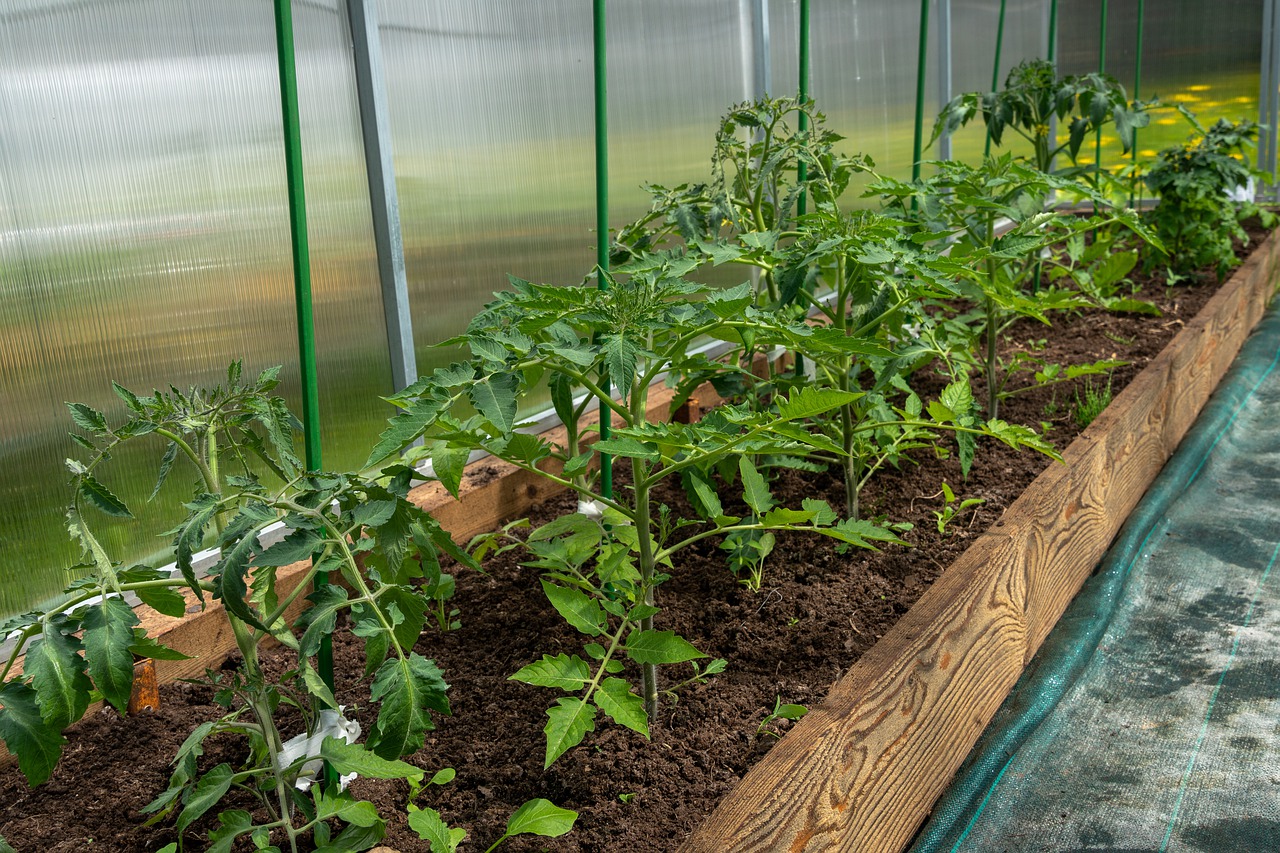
x: 602, y: 207
x: 1137, y: 90
x: 1102, y: 69
x: 995, y: 69
x: 1053, y: 31
x: 301, y: 282
x: 917, y: 144
x: 802, y: 171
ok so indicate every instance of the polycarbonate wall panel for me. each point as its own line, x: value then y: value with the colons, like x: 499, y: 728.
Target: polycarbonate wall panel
x: 144, y: 239
x: 675, y: 67
x: 492, y: 132
x: 1200, y: 54
x: 974, y: 25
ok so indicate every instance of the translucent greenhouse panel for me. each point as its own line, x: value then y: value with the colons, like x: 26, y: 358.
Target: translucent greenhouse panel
x: 1204, y: 56
x: 974, y: 26
x: 675, y: 67
x: 863, y: 65
x: 144, y: 239
x: 492, y: 129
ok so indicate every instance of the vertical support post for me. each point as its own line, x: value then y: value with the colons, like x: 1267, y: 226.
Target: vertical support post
x: 758, y: 79
x: 384, y: 203
x: 1267, y: 95
x: 1273, y: 95
x: 1137, y: 92
x: 801, y: 169
x: 922, y: 61
x: 995, y: 69
x: 301, y: 280
x: 600, y: 70
x: 944, y: 70
x: 1102, y: 69
x: 1052, y: 48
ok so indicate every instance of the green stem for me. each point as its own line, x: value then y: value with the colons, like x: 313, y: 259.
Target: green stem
x: 644, y: 530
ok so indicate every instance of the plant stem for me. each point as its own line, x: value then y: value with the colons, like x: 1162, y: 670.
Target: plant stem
x: 644, y: 526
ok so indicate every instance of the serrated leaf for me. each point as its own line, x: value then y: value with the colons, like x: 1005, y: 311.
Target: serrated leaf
x: 36, y: 744
x: 205, y: 794
x: 166, y: 464
x: 410, y: 607
x: 823, y: 514
x: 102, y: 498
x: 810, y: 401
x: 629, y: 448
x: 147, y: 647
x: 299, y: 545
x: 432, y: 829
x: 754, y: 488
x: 347, y: 758
x: 449, y: 464
x: 87, y: 417
x: 129, y: 398
x: 233, y: 823
x: 707, y: 499
x: 495, y: 399
x: 230, y: 572
x: 57, y: 675
x: 625, y: 708
x: 568, y: 722
x: 320, y: 618
x: 108, y: 633
x: 403, y: 429
x: 540, y: 817
x: 783, y: 517
x: 730, y: 302
x: 577, y: 608
x: 408, y: 689
x: 562, y: 672
x: 660, y: 647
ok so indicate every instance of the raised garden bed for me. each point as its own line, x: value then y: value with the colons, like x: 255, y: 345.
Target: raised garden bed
x: 862, y: 769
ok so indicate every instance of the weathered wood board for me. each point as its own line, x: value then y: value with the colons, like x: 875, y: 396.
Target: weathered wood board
x: 861, y: 771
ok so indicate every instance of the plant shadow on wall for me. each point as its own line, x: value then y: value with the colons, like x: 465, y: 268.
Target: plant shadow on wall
x: 364, y: 531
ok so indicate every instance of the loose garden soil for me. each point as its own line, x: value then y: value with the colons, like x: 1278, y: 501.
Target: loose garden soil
x: 817, y: 613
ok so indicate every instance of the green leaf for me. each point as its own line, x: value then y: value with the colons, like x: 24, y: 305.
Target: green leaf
x: 230, y: 573
x: 730, y: 302
x: 297, y: 546
x: 206, y: 794
x: 449, y: 463
x: 347, y: 758
x: 36, y: 744
x: 660, y: 647
x: 568, y: 722
x: 403, y: 429
x: 165, y: 600
x: 102, y: 498
x: 87, y: 417
x: 708, y: 500
x: 321, y: 617
x: 823, y: 513
x: 408, y: 689
x: 540, y: 817
x: 754, y: 489
x: 620, y: 357
x: 57, y: 674
x: 166, y: 463
x: 579, y: 610
x: 629, y: 448
x: 432, y: 828
x: 374, y: 513
x: 810, y: 401
x: 108, y: 634
x: 495, y: 399
x: 615, y: 698
x: 147, y: 647
x: 562, y: 672
x: 233, y: 824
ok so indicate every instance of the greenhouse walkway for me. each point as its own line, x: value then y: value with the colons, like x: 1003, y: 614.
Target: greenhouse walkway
x: 1150, y: 720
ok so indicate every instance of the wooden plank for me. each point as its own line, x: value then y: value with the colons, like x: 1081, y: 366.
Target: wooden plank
x: 861, y: 771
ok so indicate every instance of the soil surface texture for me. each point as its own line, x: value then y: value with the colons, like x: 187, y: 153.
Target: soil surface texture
x: 817, y: 612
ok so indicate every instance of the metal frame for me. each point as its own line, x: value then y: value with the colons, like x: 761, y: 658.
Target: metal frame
x: 945, y: 81
x: 384, y: 202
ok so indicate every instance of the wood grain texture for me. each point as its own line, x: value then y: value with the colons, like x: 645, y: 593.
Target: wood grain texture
x: 861, y: 771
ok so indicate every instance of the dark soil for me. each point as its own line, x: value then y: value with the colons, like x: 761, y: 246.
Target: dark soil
x: 817, y: 613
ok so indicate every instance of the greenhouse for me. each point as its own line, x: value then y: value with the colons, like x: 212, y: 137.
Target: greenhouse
x: 700, y: 425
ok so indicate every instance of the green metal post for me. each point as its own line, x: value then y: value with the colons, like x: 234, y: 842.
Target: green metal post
x: 1053, y: 31
x: 602, y: 208
x: 802, y: 172
x: 1137, y: 93
x: 301, y: 281
x: 1102, y: 68
x: 917, y: 144
x: 995, y: 69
